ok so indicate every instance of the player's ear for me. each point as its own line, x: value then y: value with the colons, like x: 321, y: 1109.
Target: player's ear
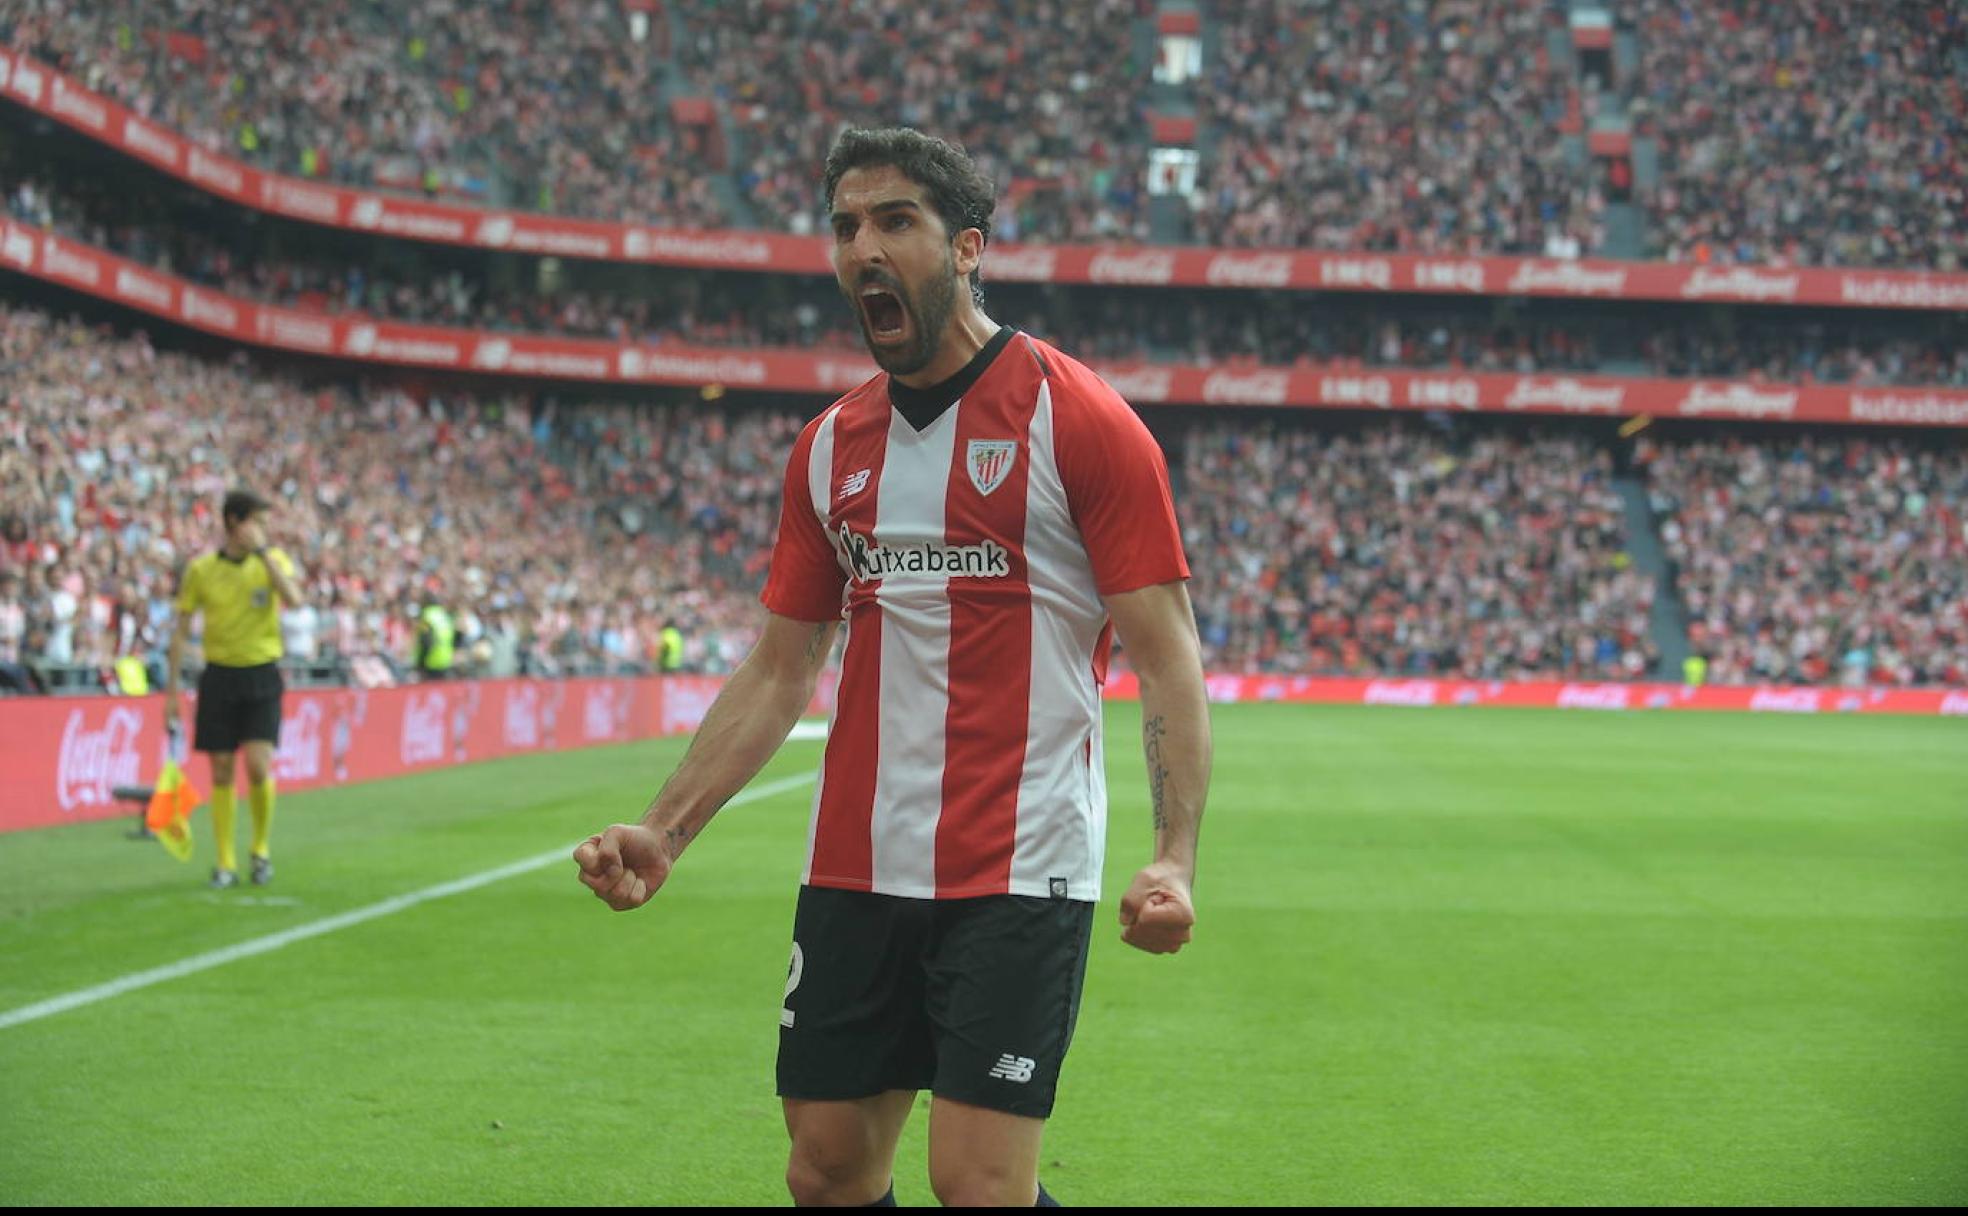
x: 967, y: 250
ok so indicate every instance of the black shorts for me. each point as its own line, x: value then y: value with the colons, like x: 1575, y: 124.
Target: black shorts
x: 972, y: 999
x: 237, y: 705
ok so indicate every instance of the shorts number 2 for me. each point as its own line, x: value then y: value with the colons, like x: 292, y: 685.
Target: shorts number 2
x: 793, y: 971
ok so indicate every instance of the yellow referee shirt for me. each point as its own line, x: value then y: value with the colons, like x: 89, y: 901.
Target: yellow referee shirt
x: 242, y: 611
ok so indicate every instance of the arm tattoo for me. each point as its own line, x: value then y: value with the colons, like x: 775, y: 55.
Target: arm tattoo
x: 1152, y: 731
x: 674, y: 839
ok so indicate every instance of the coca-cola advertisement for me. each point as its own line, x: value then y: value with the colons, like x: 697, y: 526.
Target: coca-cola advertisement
x: 420, y: 730
x: 520, y: 717
x: 99, y: 751
x: 686, y: 699
x: 300, y: 755
x: 62, y: 758
x: 606, y: 707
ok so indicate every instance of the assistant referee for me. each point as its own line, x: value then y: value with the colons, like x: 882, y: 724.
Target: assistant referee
x: 240, y: 589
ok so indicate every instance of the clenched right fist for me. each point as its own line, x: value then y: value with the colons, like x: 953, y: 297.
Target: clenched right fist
x: 624, y: 865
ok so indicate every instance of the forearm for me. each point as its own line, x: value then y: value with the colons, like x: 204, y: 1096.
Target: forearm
x: 1175, y: 736
x: 747, y: 723
x: 284, y: 586
x: 174, y: 662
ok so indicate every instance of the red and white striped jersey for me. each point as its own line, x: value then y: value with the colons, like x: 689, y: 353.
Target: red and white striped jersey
x: 969, y: 560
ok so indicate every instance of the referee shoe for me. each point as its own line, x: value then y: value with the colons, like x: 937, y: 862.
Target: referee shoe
x: 224, y: 878
x: 262, y: 871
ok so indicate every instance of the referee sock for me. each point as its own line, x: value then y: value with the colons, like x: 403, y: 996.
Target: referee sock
x: 222, y: 822
x: 1045, y: 1198
x: 259, y: 800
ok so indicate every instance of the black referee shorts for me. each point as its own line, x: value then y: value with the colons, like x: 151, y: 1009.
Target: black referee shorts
x: 237, y: 705
x: 972, y: 999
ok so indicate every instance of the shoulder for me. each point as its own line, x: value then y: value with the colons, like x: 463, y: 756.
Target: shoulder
x: 870, y: 395
x: 864, y: 406
x: 1086, y: 410
x: 1076, y: 388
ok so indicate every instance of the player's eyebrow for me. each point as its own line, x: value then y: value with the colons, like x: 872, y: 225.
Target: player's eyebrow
x: 893, y: 204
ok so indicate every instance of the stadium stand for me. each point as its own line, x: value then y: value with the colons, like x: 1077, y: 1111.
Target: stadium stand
x: 1395, y: 552
x: 1827, y: 133
x: 550, y: 105
x: 1043, y: 92
x: 568, y: 533
x: 1362, y: 126
x: 567, y: 526
x: 577, y: 530
x: 1816, y: 559
x: 1821, y: 132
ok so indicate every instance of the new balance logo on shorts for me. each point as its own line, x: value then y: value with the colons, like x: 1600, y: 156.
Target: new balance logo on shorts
x: 1013, y: 1068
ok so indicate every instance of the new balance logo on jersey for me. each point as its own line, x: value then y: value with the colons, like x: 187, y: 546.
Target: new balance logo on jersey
x: 873, y: 562
x: 854, y: 483
x: 1013, y: 1068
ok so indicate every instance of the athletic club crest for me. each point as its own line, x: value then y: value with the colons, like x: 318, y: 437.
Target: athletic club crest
x: 990, y: 462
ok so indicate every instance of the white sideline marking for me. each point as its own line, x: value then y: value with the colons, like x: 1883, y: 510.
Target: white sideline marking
x: 287, y: 937
x: 809, y: 731
x: 252, y: 901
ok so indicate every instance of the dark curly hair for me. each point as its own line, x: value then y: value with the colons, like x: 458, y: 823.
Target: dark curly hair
x: 958, y: 190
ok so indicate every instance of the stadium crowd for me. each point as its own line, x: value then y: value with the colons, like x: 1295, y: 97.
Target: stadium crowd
x: 564, y: 537
x: 1814, y: 560
x: 1830, y: 132
x: 1812, y: 132
x: 548, y: 105
x: 1045, y: 93
x: 1401, y: 551
x: 1352, y: 125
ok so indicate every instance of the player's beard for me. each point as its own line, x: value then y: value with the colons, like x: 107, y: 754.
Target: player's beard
x: 927, y: 321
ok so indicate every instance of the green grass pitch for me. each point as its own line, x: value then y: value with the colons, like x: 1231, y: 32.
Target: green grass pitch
x: 1444, y: 956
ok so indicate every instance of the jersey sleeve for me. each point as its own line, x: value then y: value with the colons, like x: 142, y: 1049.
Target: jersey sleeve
x: 1117, y: 485
x: 281, y: 561
x: 188, y: 589
x: 805, y: 580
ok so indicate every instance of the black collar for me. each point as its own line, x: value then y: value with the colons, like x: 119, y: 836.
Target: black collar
x: 923, y: 406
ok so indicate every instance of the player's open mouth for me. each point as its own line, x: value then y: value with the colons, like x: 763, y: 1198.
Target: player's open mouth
x: 887, y: 319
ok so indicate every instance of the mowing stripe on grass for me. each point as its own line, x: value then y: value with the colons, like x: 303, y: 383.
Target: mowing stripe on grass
x: 287, y: 937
